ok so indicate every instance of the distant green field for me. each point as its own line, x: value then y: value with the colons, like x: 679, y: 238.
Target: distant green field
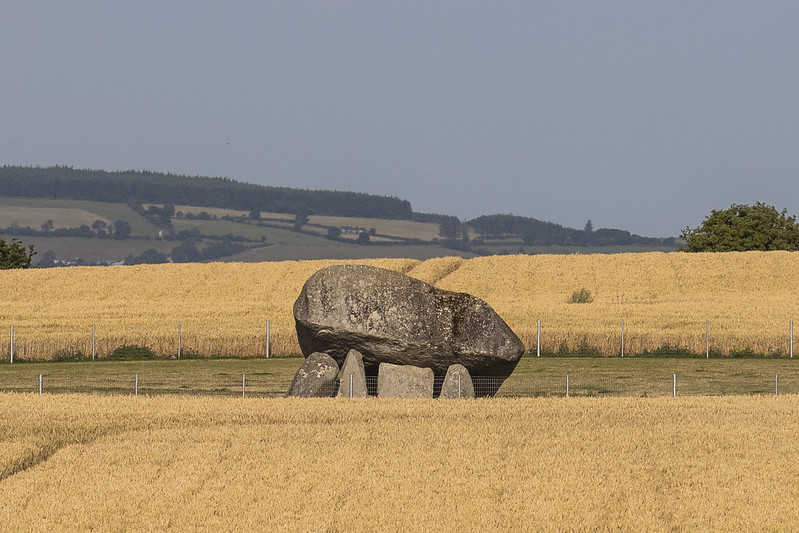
x: 406, y: 229
x: 35, y: 217
x: 71, y: 213
x: 292, y: 252
x: 218, y: 211
x: 92, y: 250
x: 281, y: 242
x: 250, y: 231
x: 43, y: 209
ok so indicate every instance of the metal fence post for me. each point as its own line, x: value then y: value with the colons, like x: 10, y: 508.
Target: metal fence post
x: 707, y: 339
x: 267, y: 339
x: 622, y: 337
x: 40, y: 383
x: 538, y: 341
x: 243, y: 384
x: 12, y: 344
x: 459, y: 385
x: 567, y: 385
x: 94, y: 351
x: 776, y: 385
x: 791, y: 339
x: 179, y: 340
x: 136, y: 386
x: 350, y: 385
x: 674, y: 385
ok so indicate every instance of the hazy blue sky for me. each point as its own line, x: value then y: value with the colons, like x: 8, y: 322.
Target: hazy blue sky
x: 640, y: 115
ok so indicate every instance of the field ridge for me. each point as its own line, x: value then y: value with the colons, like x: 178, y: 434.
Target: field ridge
x: 28, y: 460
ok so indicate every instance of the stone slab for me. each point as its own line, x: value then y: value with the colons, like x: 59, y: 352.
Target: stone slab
x: 404, y: 381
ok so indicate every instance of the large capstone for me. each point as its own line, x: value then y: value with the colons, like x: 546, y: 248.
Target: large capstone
x: 392, y: 318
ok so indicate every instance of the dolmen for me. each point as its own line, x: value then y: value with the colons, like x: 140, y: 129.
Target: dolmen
x: 377, y: 319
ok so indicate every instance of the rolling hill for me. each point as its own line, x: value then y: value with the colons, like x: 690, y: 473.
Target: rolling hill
x: 96, y: 217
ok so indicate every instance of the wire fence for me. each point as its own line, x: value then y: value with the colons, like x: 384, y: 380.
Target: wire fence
x: 40, y: 343
x: 587, y: 385
x: 581, y: 384
x: 150, y: 384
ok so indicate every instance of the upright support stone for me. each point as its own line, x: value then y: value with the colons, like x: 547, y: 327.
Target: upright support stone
x: 404, y: 381
x: 316, y: 378
x: 352, y: 377
x: 457, y: 383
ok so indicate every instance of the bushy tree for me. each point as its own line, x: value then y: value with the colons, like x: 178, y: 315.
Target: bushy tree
x: 450, y: 228
x: 48, y: 259
x: 300, y: 219
x: 744, y: 227
x: 14, y: 255
x: 185, y: 252
x: 121, y: 229
x: 151, y: 256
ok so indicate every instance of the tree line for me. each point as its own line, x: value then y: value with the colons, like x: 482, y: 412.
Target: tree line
x: 155, y: 187
x: 539, y: 233
x: 188, y: 252
x: 117, y: 230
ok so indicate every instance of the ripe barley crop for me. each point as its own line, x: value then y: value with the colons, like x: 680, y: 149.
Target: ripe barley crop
x: 748, y: 299
x: 222, y: 307
x: 664, y: 299
x: 81, y: 463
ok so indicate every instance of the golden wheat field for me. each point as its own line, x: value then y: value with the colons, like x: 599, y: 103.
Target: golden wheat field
x: 106, y: 463
x: 746, y: 301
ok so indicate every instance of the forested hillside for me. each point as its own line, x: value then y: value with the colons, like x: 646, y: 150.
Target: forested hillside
x: 154, y: 187
x: 533, y: 232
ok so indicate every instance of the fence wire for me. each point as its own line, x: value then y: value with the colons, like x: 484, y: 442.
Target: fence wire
x: 580, y: 384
